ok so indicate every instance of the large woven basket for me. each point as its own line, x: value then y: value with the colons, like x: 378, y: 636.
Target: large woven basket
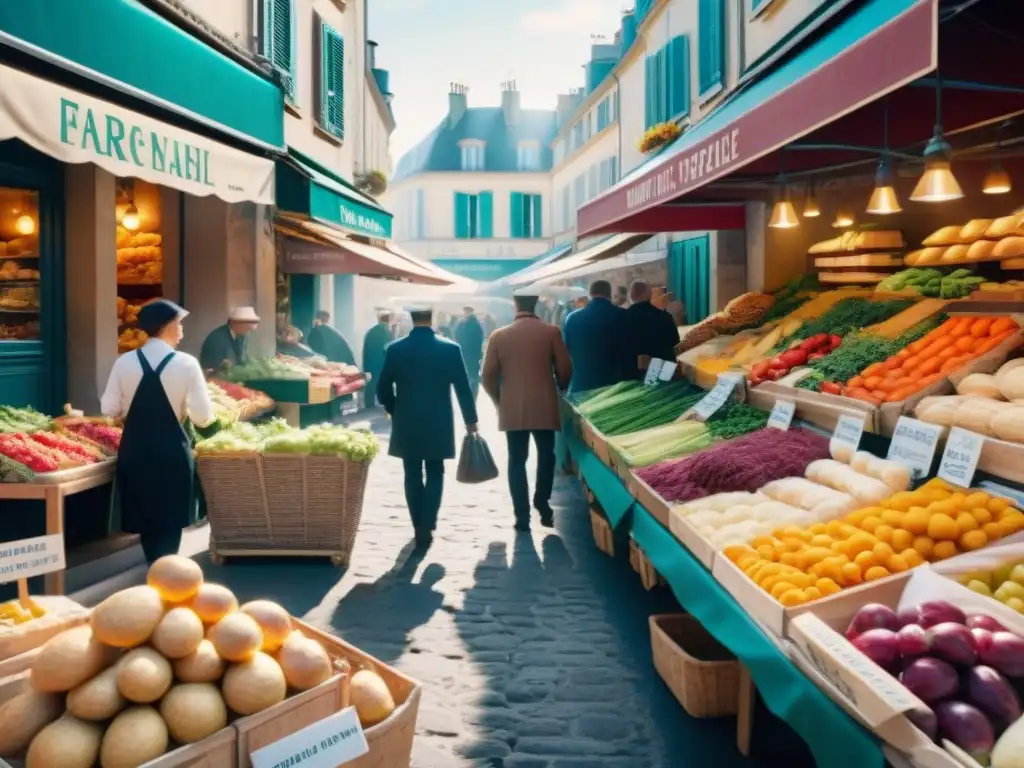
x: 700, y: 672
x: 283, y: 504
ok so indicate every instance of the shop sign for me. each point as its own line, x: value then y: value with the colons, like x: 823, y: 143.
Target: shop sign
x: 849, y: 431
x: 782, y: 414
x: 74, y: 127
x: 328, y: 205
x: 710, y: 159
x: 331, y: 742
x: 913, y: 445
x: 960, y: 459
x: 27, y: 558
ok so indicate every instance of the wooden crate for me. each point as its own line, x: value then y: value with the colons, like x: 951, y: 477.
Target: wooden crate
x: 603, y: 536
x: 61, y: 613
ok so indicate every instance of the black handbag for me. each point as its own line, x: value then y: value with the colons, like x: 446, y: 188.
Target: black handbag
x: 476, y: 465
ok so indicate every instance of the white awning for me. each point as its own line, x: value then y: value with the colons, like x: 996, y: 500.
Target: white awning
x: 606, y: 249
x: 618, y: 262
x: 74, y: 127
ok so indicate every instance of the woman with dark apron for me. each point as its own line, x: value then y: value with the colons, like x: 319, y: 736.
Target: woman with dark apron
x: 155, y: 389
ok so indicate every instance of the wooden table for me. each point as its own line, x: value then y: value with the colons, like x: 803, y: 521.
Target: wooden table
x: 53, y: 495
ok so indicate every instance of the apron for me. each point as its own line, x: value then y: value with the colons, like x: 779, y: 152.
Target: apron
x: 155, y: 465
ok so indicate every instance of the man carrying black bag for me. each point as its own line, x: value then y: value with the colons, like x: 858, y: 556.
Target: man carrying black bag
x: 415, y: 388
x: 524, y: 366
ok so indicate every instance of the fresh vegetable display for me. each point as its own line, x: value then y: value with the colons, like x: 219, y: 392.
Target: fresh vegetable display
x: 980, y: 405
x: 18, y: 448
x: 967, y: 668
x: 232, y: 402
x: 933, y: 283
x: 167, y: 664
x: 23, y: 419
x: 946, y: 349
x: 631, y: 406
x: 105, y: 435
x: 791, y: 296
x: 800, y: 353
x: 266, y: 368
x: 1005, y: 583
x: 850, y: 314
x: 276, y: 436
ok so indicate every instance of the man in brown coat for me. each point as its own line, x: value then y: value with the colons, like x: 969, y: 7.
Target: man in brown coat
x: 525, y: 365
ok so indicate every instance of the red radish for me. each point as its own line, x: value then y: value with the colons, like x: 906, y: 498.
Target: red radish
x: 908, y: 615
x: 953, y: 642
x: 930, y: 679
x: 834, y: 341
x: 879, y: 645
x: 981, y: 621
x: 1006, y: 654
x: 939, y: 612
x: 913, y: 641
x: 872, y: 616
x: 983, y: 639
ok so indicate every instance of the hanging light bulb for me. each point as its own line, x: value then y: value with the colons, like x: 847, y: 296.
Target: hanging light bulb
x: 784, y: 215
x: 812, y: 209
x: 25, y: 225
x: 997, y: 181
x: 884, y: 201
x: 844, y: 218
x: 130, y: 220
x: 937, y: 183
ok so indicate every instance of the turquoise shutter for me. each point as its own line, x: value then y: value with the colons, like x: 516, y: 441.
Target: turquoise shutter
x: 538, y: 216
x: 486, y: 214
x: 661, y: 86
x: 332, y: 81
x: 677, y: 68
x: 711, y: 44
x: 648, y: 92
x: 461, y: 215
x: 515, y: 223
x: 696, y: 279
x: 278, y: 39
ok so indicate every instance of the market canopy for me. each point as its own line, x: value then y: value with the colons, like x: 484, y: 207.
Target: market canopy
x: 311, y: 248
x: 617, y: 262
x: 881, y: 46
x: 524, y: 276
x: 126, y: 46
x: 74, y: 127
x: 608, y: 248
x: 306, y: 189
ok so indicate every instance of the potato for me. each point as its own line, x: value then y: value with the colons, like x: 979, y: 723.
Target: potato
x: 25, y: 715
x: 127, y: 618
x: 136, y: 736
x: 143, y: 675
x: 69, y: 659
x: 97, y: 699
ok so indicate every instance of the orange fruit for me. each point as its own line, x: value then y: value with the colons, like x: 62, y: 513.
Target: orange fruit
x: 827, y: 586
x: 942, y: 527
x: 897, y: 564
x: 973, y: 540
x: 893, y: 517
x: 981, y: 514
x: 916, y: 520
x: 821, y: 540
x: 792, y: 598
x: 852, y: 574
x: 866, y: 560
x: 869, y: 524
x: 966, y: 522
x: 901, y: 539
x: 883, y: 551
x: 924, y: 546
x: 944, y: 550
x: 779, y: 588
x: 912, y: 557
x: 875, y: 573
x: 884, y: 532
x: 997, y: 505
x: 993, y: 531
x: 812, y: 593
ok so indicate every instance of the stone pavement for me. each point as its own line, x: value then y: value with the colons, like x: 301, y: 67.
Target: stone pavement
x: 533, y: 649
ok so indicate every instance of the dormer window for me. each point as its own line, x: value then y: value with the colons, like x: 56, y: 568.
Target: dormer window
x: 472, y: 154
x: 528, y: 156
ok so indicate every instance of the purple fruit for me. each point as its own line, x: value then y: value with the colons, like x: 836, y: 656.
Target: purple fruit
x: 913, y: 641
x: 967, y: 727
x: 879, y: 645
x: 930, y: 679
x: 1006, y: 654
x: 992, y: 694
x: 953, y: 643
x: 939, y: 612
x: 983, y: 639
x: 908, y: 615
x: 981, y: 621
x: 872, y: 616
x: 925, y: 720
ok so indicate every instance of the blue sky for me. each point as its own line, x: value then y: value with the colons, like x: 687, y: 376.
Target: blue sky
x: 427, y: 44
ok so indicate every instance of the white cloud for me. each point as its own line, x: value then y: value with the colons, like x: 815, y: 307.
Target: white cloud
x: 592, y: 16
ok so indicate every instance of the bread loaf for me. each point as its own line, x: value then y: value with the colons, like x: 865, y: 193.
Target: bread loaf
x: 945, y: 236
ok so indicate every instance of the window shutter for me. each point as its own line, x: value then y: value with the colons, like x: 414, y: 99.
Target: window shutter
x: 678, y: 81
x: 332, y: 81
x: 711, y: 42
x: 516, y: 215
x: 278, y: 38
x: 461, y: 215
x: 538, y: 217
x: 649, y: 96
x: 486, y: 214
x: 420, y: 214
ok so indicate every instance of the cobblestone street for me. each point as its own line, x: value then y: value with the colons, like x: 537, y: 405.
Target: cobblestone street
x: 533, y: 649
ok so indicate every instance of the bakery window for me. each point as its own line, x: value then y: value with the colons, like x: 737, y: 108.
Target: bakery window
x: 140, y: 260
x: 19, y: 264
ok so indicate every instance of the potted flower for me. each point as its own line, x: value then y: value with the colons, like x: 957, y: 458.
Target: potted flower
x: 373, y: 183
x: 658, y: 136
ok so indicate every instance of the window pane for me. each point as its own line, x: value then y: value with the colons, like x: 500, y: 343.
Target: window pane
x: 140, y: 266
x: 19, y: 264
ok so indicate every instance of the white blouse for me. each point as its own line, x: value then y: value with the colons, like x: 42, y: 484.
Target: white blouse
x: 182, y: 379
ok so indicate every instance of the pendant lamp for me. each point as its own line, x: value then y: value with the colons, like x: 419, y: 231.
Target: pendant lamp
x: 130, y: 220
x: 937, y: 183
x: 784, y: 215
x: 844, y: 218
x: 812, y: 209
x: 997, y: 181
x: 884, y: 201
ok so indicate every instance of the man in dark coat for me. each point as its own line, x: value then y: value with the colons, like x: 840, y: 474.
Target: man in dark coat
x: 595, y: 338
x: 226, y: 345
x: 374, y: 344
x: 328, y: 342
x: 415, y: 388
x: 650, y: 331
x: 469, y: 335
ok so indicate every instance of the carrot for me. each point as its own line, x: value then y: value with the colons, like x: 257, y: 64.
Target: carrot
x: 889, y: 385
x: 871, y: 382
x: 953, y: 363
x: 911, y: 363
x: 963, y: 327
x: 928, y: 380
x: 875, y: 369
x: 863, y: 394
x: 857, y: 382
x: 930, y: 366
x: 899, y: 395
x: 964, y: 343
x: 936, y: 347
x: 893, y: 363
x: 904, y: 353
x: 949, y: 352
x: 979, y: 328
x: 946, y: 327
x: 991, y: 343
x: 1002, y: 325
x: 917, y: 346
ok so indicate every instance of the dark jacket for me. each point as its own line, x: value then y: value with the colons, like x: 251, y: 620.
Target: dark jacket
x: 415, y: 388
x: 221, y: 347
x: 374, y: 344
x: 329, y: 343
x: 595, y: 336
x: 469, y: 335
x: 649, y: 331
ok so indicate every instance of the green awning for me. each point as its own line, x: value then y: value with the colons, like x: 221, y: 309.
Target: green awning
x: 303, y: 187
x: 123, y: 44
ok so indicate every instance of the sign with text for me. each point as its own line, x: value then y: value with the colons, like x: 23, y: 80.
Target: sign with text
x: 653, y: 374
x: 668, y: 370
x: 782, y: 414
x: 716, y: 398
x: 328, y: 743
x: 26, y: 558
x: 848, y: 432
x: 960, y: 459
x: 913, y: 445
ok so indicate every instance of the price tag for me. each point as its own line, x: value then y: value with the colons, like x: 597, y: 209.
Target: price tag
x: 715, y: 399
x: 653, y: 371
x: 913, y: 445
x: 328, y: 743
x: 26, y: 558
x: 668, y: 370
x: 960, y: 459
x: 782, y: 414
x: 849, y: 431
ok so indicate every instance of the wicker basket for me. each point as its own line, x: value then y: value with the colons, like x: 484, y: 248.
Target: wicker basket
x: 604, y: 538
x: 640, y: 563
x: 283, y: 504
x: 700, y: 672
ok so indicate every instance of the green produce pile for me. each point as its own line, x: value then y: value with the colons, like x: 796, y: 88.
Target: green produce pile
x: 933, y: 283
x: 845, y: 317
x: 735, y: 420
x: 616, y: 412
x: 275, y: 436
x: 578, y: 398
x: 788, y: 298
x: 263, y: 368
x: 23, y: 420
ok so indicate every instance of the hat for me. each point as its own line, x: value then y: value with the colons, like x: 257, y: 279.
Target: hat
x: 158, y: 313
x: 419, y: 309
x: 527, y: 291
x: 244, y: 315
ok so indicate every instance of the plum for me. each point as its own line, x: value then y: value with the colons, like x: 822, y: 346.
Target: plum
x: 992, y: 693
x: 967, y: 727
x: 925, y: 720
x: 872, y: 616
x: 983, y: 639
x: 913, y: 641
x: 981, y: 621
x: 930, y: 679
x: 879, y: 645
x: 939, y: 612
x: 953, y: 643
x: 908, y: 615
x: 1005, y: 654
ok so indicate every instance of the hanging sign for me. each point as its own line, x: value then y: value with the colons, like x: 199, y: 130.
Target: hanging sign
x: 849, y: 431
x: 782, y: 414
x: 328, y: 743
x: 27, y: 558
x: 913, y: 445
x: 960, y: 459
x: 653, y: 372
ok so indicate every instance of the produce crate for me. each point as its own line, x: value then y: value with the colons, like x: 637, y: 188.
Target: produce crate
x: 61, y: 613
x: 700, y: 672
x: 639, y: 562
x: 604, y: 537
x: 283, y: 504
x: 283, y: 390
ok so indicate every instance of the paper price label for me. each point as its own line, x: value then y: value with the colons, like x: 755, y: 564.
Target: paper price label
x: 782, y: 414
x: 715, y: 399
x: 960, y: 459
x: 668, y: 370
x: 849, y: 431
x: 26, y: 558
x: 913, y: 445
x: 328, y: 743
x: 653, y: 372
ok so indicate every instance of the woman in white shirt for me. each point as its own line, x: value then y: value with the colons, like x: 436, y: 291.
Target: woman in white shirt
x: 154, y: 389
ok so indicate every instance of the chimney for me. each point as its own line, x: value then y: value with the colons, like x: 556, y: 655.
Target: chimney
x: 457, y: 98
x: 510, y: 102
x: 371, y: 54
x: 566, y: 106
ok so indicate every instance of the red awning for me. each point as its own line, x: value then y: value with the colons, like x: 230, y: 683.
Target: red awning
x: 882, y: 46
